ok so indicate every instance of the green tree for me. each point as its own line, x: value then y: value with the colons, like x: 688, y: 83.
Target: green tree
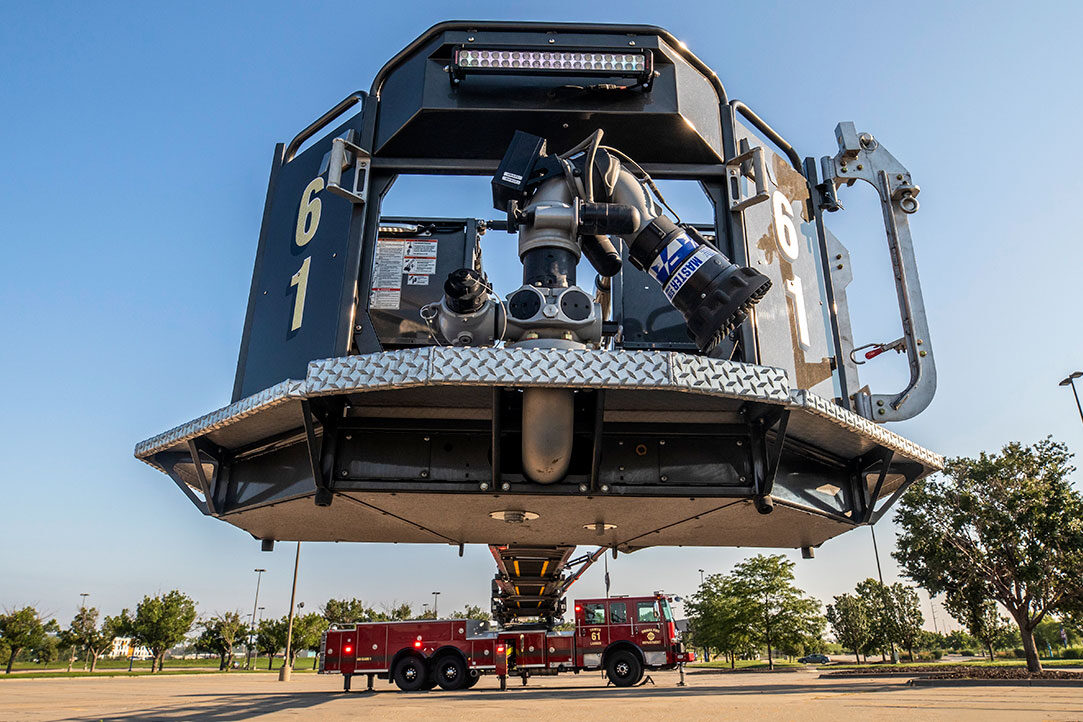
x: 22, y: 629
x: 347, y: 611
x: 883, y: 625
x: 85, y: 634
x: 429, y: 613
x: 308, y: 631
x: 396, y: 612
x: 271, y: 638
x: 849, y: 620
x: 780, y: 611
x: 471, y: 611
x: 971, y: 608
x: 1009, y: 523
x: 159, y: 623
x: 908, y: 618
x: 718, y: 619
x: 221, y: 633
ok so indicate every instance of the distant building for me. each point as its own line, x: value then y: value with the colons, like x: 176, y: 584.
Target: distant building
x: 122, y: 647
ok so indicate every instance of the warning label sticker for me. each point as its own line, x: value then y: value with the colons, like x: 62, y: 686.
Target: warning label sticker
x: 387, y: 265
x: 394, y: 259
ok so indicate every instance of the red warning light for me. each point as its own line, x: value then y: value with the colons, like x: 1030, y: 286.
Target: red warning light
x: 347, y: 650
x: 418, y: 644
x: 500, y: 649
x: 578, y: 608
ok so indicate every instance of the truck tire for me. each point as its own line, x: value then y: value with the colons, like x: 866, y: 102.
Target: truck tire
x: 472, y: 680
x: 623, y: 668
x: 450, y: 672
x: 411, y: 674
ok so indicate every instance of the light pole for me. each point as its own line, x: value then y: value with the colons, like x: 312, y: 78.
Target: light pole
x: 252, y: 631
x: 82, y: 621
x: 435, y: 605
x: 1070, y: 381
x: 284, y: 673
x: 883, y: 588
x: 701, y: 577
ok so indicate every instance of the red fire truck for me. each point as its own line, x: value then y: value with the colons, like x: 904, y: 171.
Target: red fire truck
x: 624, y: 636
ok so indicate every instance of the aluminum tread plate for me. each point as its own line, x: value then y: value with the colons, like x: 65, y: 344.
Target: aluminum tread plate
x: 629, y: 370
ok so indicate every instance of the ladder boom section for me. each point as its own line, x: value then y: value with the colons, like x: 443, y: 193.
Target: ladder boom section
x: 531, y: 581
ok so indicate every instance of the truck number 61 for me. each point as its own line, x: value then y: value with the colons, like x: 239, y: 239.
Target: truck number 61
x: 789, y: 245
x: 308, y: 220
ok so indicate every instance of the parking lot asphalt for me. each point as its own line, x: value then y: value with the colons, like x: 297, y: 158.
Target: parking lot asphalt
x: 745, y: 695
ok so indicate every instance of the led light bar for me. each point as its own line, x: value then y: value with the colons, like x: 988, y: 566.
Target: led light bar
x: 471, y: 60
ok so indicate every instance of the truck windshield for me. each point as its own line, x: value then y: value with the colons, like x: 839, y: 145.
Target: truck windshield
x: 666, y: 611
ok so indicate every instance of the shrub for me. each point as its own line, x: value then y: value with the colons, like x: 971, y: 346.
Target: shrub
x: 1072, y: 653
x: 967, y: 652
x: 938, y: 653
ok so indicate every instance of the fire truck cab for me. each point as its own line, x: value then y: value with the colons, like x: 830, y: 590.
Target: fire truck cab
x: 624, y: 636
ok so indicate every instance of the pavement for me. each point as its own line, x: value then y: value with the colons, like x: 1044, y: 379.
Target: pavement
x: 708, y: 694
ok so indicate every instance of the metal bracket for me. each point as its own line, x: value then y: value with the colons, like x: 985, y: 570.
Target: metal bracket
x: 737, y: 166
x: 861, y: 157
x: 345, y: 153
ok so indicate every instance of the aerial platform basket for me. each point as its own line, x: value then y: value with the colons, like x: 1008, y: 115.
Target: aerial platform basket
x: 372, y: 405
x: 686, y: 451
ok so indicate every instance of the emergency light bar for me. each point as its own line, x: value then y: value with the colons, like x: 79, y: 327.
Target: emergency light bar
x: 470, y: 60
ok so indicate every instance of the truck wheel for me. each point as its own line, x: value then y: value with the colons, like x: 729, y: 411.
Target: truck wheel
x: 451, y: 673
x: 472, y: 680
x: 624, y: 668
x: 410, y: 674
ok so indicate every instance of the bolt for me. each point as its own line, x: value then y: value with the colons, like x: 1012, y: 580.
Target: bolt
x: 919, y: 342
x: 582, y: 487
x: 898, y: 177
x: 741, y: 478
x: 564, y: 125
x: 349, y: 437
x: 881, y: 411
x: 880, y: 402
x: 662, y: 442
x: 839, y: 266
x: 484, y: 486
x: 838, y: 256
x: 425, y: 438
x: 470, y: 39
x: 859, y: 166
x: 620, y: 468
x: 343, y: 473
x: 505, y: 486
x: 921, y: 353
x: 740, y: 443
x: 425, y: 474
x: 665, y: 478
x: 552, y: 40
x: 358, y: 327
x: 605, y: 487
x: 631, y: 42
x: 843, y: 169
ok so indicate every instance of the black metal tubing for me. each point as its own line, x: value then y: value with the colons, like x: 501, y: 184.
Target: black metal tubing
x: 761, y: 125
x: 589, y: 28
x: 315, y: 455
x: 495, y: 437
x: 322, y: 122
x: 829, y: 287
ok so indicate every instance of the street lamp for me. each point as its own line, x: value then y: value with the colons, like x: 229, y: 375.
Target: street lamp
x: 435, y: 607
x: 82, y: 607
x: 252, y: 630
x: 701, y: 577
x: 287, y: 668
x: 1070, y: 381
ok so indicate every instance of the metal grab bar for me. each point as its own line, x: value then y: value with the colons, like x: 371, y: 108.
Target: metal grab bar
x: 317, y: 125
x: 761, y: 125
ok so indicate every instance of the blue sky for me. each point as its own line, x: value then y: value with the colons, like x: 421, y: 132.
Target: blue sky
x: 138, y: 139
